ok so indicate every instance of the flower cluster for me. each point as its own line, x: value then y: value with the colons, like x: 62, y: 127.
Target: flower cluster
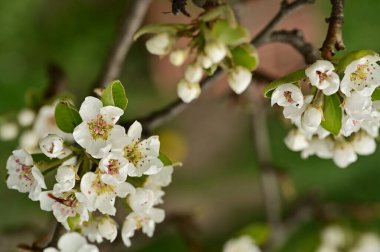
x: 104, y: 164
x: 334, y: 108
x: 216, y: 40
x: 335, y: 239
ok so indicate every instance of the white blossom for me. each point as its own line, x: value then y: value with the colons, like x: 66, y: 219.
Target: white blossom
x: 205, y: 61
x: 321, y: 74
x: 296, y: 140
x: 145, y: 221
x: 362, y: 75
x: 241, y: 244
x: 65, y: 177
x: 101, y: 196
x: 161, y: 179
x: 358, y: 106
x: 344, y: 154
x: 188, y: 91
x: 369, y: 242
x: 311, y: 119
x: 98, y: 131
x: 159, y: 44
x: 65, y: 205
x: 216, y: 51
x: 73, y: 242
x: 322, y: 148
x: 239, y: 79
x: 287, y: 95
x: 114, y: 168
x: 24, y: 176
x: 26, y: 117
x: 108, y: 228
x: 178, y: 57
x: 193, y: 73
x: 363, y: 144
x: 52, y: 146
x: 45, y: 124
x: 99, y: 228
x: 8, y: 131
x: 29, y: 140
x: 142, y: 154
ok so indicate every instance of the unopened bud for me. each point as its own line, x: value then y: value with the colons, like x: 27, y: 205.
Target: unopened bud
x: 239, y: 79
x: 160, y: 44
x: 188, y: 91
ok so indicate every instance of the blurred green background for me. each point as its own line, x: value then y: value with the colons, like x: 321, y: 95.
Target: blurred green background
x: 218, y: 185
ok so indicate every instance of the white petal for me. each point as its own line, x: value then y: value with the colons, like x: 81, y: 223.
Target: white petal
x: 188, y: 91
x: 135, y: 130
x: 71, y: 242
x: 38, y: 177
x: 296, y: 140
x: 193, y: 73
x: 123, y: 189
x: 111, y: 114
x: 344, y: 154
x: 239, y: 79
x: 90, y: 108
x: 287, y: 95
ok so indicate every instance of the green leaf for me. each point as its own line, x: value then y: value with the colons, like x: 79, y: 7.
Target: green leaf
x: 223, y: 32
x: 114, y: 95
x: 290, y: 78
x: 67, y: 116
x: 352, y: 56
x: 376, y: 95
x: 40, y: 157
x: 159, y: 28
x: 245, y: 56
x: 332, y: 114
x: 164, y: 159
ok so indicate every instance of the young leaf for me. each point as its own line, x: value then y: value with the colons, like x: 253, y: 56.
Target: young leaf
x: 352, y: 56
x: 159, y: 28
x: 245, y: 56
x: 67, y: 116
x: 332, y: 114
x: 164, y: 159
x: 376, y: 95
x: 223, y: 32
x: 290, y: 78
x: 114, y: 95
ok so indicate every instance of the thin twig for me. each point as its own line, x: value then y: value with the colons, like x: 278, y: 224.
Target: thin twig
x: 334, y: 39
x: 296, y: 40
x: 172, y: 109
x: 286, y: 9
x: 269, y: 181
x: 132, y: 20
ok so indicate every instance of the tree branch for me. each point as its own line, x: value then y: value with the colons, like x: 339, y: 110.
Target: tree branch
x: 132, y: 20
x: 334, y: 39
x: 172, y: 109
x: 296, y: 40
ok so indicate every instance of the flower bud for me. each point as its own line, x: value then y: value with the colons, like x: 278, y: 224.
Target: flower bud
x: 66, y: 178
x: 193, y: 73
x: 239, y: 79
x: 311, y: 119
x: 8, y: 131
x: 296, y: 140
x: 26, y: 117
x: 52, y: 146
x: 29, y: 140
x: 363, y: 144
x: 108, y: 229
x: 160, y: 44
x: 178, y: 56
x: 205, y: 61
x: 188, y: 91
x: 216, y: 51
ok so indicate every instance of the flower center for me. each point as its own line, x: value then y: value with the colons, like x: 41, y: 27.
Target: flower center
x: 99, y: 128
x: 25, y: 171
x: 360, y: 73
x: 113, y: 166
x: 132, y: 153
x: 322, y: 75
x: 101, y: 187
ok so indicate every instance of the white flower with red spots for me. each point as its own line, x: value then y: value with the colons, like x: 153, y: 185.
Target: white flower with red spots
x: 142, y: 154
x: 65, y: 205
x: 98, y: 131
x: 101, y: 196
x: 145, y: 221
x: 321, y: 75
x: 52, y: 146
x: 362, y: 75
x: 73, y: 242
x: 114, y: 168
x: 23, y: 175
x: 287, y: 95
